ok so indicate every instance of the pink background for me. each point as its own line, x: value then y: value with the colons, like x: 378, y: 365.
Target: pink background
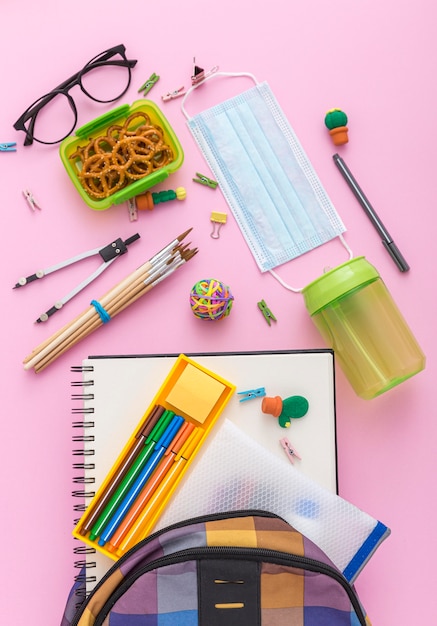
x: 375, y: 60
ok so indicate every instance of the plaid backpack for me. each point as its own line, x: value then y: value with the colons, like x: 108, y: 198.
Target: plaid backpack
x: 244, y: 568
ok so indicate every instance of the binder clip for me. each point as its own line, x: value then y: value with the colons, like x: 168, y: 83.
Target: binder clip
x: 250, y: 394
x: 289, y: 450
x: 109, y: 254
x: 147, y: 86
x: 218, y: 219
x: 204, y: 180
x: 199, y: 73
x: 171, y: 95
x: 8, y: 146
x: 268, y: 315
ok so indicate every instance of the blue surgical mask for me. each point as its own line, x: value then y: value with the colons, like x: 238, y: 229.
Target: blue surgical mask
x: 267, y: 179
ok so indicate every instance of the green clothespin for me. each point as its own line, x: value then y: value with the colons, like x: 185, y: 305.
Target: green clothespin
x: 266, y: 312
x: 204, y: 180
x: 149, y: 84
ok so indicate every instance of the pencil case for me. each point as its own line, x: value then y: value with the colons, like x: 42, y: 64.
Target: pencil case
x: 155, y: 458
x: 121, y: 154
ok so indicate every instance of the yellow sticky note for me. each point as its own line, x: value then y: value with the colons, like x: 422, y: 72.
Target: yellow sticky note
x: 195, y: 393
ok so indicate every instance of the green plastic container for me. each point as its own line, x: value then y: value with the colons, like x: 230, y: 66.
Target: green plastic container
x: 99, y: 127
x: 358, y: 319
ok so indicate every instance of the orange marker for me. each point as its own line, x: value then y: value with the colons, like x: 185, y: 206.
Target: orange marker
x: 169, y: 480
x: 151, y: 485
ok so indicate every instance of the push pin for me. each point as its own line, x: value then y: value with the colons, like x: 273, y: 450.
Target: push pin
x: 250, y: 394
x: 289, y: 450
x: 268, y: 315
x: 31, y: 200
x: 218, y: 219
x: 147, y: 86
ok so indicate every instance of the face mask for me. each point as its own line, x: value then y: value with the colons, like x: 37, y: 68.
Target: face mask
x: 268, y: 181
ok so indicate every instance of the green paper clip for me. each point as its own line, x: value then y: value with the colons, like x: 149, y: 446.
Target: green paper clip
x: 204, y: 180
x: 149, y: 84
x: 266, y: 312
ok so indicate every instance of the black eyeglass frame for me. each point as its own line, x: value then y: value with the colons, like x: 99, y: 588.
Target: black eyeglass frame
x: 101, y: 60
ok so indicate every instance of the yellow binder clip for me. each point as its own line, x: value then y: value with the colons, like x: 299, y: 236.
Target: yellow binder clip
x: 218, y: 219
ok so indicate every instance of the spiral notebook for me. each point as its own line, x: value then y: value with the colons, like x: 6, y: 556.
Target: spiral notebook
x: 111, y: 394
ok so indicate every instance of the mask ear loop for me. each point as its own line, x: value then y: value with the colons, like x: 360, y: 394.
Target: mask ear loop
x: 193, y: 87
x: 300, y: 289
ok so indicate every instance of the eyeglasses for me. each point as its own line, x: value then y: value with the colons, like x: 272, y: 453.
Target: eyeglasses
x: 47, y: 119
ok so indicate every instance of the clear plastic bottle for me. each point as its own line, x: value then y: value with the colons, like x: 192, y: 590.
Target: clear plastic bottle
x: 359, y: 320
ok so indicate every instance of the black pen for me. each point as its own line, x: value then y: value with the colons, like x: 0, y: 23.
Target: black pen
x: 387, y: 240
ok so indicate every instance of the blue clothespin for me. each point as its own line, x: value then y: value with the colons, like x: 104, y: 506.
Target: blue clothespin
x: 252, y: 393
x: 149, y: 84
x: 8, y: 146
x: 204, y: 180
x: 266, y: 312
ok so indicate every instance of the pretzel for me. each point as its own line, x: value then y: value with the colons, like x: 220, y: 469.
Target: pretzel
x: 125, y: 154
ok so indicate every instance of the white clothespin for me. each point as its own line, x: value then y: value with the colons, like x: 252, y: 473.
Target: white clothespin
x: 31, y: 200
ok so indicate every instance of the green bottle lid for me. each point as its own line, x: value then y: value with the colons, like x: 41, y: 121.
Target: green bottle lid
x: 337, y: 283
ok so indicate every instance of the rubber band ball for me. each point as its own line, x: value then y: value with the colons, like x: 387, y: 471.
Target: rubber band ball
x: 211, y: 299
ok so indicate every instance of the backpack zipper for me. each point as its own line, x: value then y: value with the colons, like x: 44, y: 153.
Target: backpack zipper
x: 271, y: 556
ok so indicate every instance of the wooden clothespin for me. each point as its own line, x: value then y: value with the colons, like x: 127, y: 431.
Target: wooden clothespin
x: 171, y: 95
x: 204, y: 180
x: 252, y: 393
x: 268, y: 315
x: 147, y: 86
x: 289, y: 450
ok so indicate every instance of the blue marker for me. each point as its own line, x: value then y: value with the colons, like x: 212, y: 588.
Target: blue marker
x: 159, y: 450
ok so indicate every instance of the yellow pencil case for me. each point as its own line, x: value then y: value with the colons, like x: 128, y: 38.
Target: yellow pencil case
x: 121, y: 154
x: 155, y: 458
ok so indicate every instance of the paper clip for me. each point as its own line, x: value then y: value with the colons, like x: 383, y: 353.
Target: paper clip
x: 8, y: 146
x: 199, y: 73
x: 149, y: 84
x: 108, y: 254
x: 171, y: 95
x: 218, y: 219
x: 204, y: 180
x: 289, y: 450
x: 268, y: 315
x: 252, y: 393
x: 31, y: 200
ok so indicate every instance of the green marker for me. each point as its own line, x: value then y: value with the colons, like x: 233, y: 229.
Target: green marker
x: 131, y: 475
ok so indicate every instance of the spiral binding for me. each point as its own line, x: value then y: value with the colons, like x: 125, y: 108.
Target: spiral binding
x: 82, y: 434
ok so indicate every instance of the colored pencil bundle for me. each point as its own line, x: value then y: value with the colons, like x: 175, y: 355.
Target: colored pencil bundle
x: 146, y: 473
x: 125, y: 293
